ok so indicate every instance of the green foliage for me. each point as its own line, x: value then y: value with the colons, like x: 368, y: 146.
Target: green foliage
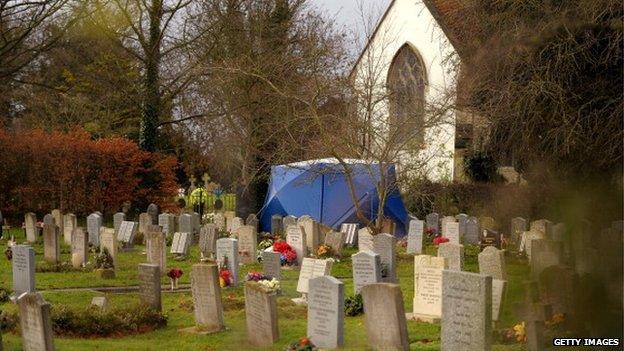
x: 60, y: 267
x: 104, y: 260
x: 481, y: 167
x: 354, y: 305
x: 4, y: 294
x: 8, y: 321
x: 471, y: 254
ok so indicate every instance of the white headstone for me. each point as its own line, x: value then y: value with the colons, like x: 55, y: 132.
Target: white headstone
x: 23, y: 269
x: 228, y: 247
x: 94, y: 223
x: 415, y: 236
x: 295, y: 237
x: 366, y: 269
x: 326, y: 312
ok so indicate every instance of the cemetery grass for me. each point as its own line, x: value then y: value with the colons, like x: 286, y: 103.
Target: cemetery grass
x: 178, y: 306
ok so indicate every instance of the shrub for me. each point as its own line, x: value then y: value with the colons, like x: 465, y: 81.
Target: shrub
x: 354, y: 305
x: 60, y: 267
x: 4, y: 294
x: 481, y: 167
x: 104, y: 260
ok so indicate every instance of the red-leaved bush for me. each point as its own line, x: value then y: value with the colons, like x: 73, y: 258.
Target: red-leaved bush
x: 42, y: 170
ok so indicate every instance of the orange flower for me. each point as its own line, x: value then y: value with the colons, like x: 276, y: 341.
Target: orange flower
x: 304, y: 341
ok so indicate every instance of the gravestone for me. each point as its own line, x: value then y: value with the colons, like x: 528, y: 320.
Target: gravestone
x: 384, y: 317
x: 490, y: 238
x: 79, y: 248
x: 415, y: 237
x: 385, y: 245
x: 149, y: 286
x: 126, y: 233
x: 144, y: 220
x: 326, y: 312
x: 559, y: 286
x: 366, y: 269
x: 229, y: 215
x: 526, y: 240
x: 432, y: 221
x: 311, y: 268
x: 152, y: 211
x: 252, y: 220
x: 208, y: 240
x: 427, y: 304
x: 335, y: 240
x: 454, y: 255
x: 237, y: 222
x: 167, y: 222
x: 312, y: 232
x: 287, y: 221
x: 451, y: 231
x: 271, y: 264
x: 206, y: 291
x: 30, y: 224
x: 59, y: 220
x: 499, y: 289
x: 51, y: 244
x: 23, y: 263
x: 99, y: 301
x: 69, y: 224
x: 219, y: 221
x: 181, y: 243
x: 196, y: 223
x: 466, y: 311
x: 492, y: 263
x: 228, y: 247
x: 49, y: 219
x: 247, y: 244
x: 365, y: 240
x: 533, y: 314
x: 94, y: 223
x: 185, y: 223
x: 350, y: 230
x: 462, y: 218
x: 276, y: 225
x: 518, y: 226
x: 544, y: 253
x: 108, y: 240
x: 118, y: 218
x: 156, y: 247
x: 35, y: 322
x: 544, y: 226
x: 260, y: 315
x: 471, y: 231
x: 443, y: 223
x: 295, y: 237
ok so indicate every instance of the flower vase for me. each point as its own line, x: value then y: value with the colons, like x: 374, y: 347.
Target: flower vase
x: 172, y: 284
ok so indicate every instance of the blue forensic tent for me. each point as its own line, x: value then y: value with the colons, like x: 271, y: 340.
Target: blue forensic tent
x: 319, y: 188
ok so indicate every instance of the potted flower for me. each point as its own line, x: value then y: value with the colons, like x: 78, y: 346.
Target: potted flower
x: 174, y: 274
x: 104, y: 265
x: 225, y: 276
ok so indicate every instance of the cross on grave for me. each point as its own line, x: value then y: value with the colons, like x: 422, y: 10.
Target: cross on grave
x: 534, y: 314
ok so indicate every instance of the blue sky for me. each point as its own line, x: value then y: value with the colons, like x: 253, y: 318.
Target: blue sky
x: 347, y: 12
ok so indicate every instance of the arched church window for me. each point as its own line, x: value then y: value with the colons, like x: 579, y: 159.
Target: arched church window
x: 406, y: 83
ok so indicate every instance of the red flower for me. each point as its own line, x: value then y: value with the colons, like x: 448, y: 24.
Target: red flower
x: 226, y: 276
x: 439, y: 240
x: 291, y: 256
x: 174, y: 273
x: 281, y: 246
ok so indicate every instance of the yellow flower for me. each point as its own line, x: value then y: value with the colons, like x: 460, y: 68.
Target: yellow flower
x: 520, y: 332
x: 222, y: 282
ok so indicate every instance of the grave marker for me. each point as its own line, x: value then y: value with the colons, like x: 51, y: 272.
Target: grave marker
x: 499, y: 289
x: 156, y: 247
x: 326, y: 312
x: 185, y: 223
x: 208, y: 240
x: 366, y: 269
x: 30, y: 223
x: 51, y: 245
x: 208, y: 308
x: 295, y: 237
x: 229, y: 215
x: 450, y: 230
x: 385, y: 246
x: 58, y: 220
x: 384, y: 317
x: 335, y: 240
x: 311, y: 268
x: 35, y: 322
x: 181, y: 243
x: 118, y: 218
x: 415, y: 237
x: 492, y: 263
x: 247, y: 244
x: 260, y: 315
x: 312, y: 232
x: 471, y: 232
x: 544, y: 253
x: 144, y: 220
x: 432, y: 221
x: 69, y: 224
x: 365, y: 240
x: 276, y: 225
x: 271, y: 264
x: 152, y: 211
x: 350, y: 230
x: 79, y: 248
x: 427, y: 304
x: 167, y: 222
x: 149, y: 285
x: 228, y: 247
x: 94, y: 223
x: 219, y: 221
x: 252, y: 220
x: 108, y: 240
x: 462, y: 218
x: 126, y: 233
x: 237, y: 222
x: 454, y: 255
x: 23, y: 263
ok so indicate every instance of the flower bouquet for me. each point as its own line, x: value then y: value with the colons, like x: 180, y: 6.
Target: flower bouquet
x: 440, y: 240
x: 288, y: 256
x: 263, y: 245
x: 303, y: 344
x: 267, y: 283
x: 174, y: 274
x: 323, y: 251
x: 225, y: 275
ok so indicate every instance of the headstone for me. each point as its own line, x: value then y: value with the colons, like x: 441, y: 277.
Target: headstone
x: 260, y: 315
x: 312, y: 232
x: 335, y: 240
x: 208, y: 240
x: 271, y: 264
x: 544, y: 253
x: 51, y: 245
x: 252, y: 220
x: 219, y: 221
x: 228, y: 247
x: 451, y: 231
x: 492, y: 263
x: 156, y: 247
x: 559, y: 286
x: 58, y: 220
x: 288, y: 220
x: 108, y: 240
x: 415, y: 237
x: 185, y: 223
x: 149, y: 285
x: 195, y: 222
x: 79, y: 248
x: 499, y: 288
x: 229, y: 215
x: 432, y: 221
x: 444, y: 221
x: 69, y: 224
x: 526, y: 240
x: 247, y: 244
x: 99, y: 301
x: 454, y: 255
x: 35, y: 322
x: 471, y: 231
x: 276, y: 225
x: 126, y: 232
x: 428, y: 287
x: 385, y: 245
x: 544, y: 226
x: 490, y: 238
x: 295, y: 237
x: 181, y: 243
x: 152, y: 211
x: 30, y: 224
x: 237, y: 222
x: 207, y: 304
x: 350, y: 230
x: 518, y: 226
x: 326, y: 312
x: 167, y: 222
x: 533, y: 314
x: 23, y: 269
x: 466, y: 311
x: 94, y: 223
x: 384, y: 316
x: 49, y: 219
x: 118, y: 218
x: 312, y: 268
x: 365, y: 240
x: 144, y: 220
x: 462, y: 218
x: 366, y: 269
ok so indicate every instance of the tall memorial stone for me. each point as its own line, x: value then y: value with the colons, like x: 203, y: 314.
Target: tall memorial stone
x: 59, y: 220
x: 271, y: 264
x: 326, y: 312
x: 167, y: 222
x: 261, y: 315
x: 237, y: 222
x: 126, y: 233
x: 108, y: 241
x: 181, y: 243
x: 527, y: 238
x: 144, y: 220
x: 384, y: 316
x: 118, y: 218
x: 385, y: 245
x: 415, y: 237
x: 295, y: 237
x: 287, y: 221
x: 35, y: 322
x: 335, y: 240
x: 149, y: 286
x: 466, y: 311
x: 30, y: 225
x: 152, y: 211
x: 492, y: 263
x: 312, y: 231
x: 49, y: 219
x: 51, y: 244
x: 432, y: 221
x: 227, y: 250
x: 79, y: 248
x: 472, y: 230
x: 219, y: 221
x: 366, y: 266
x: 427, y: 304
x: 451, y: 231
x: 454, y: 255
x: 208, y: 236
x: 365, y: 240
x: 208, y: 307
x: 23, y: 269
x: 277, y: 225
x: 247, y: 244
x: 185, y: 223
x: 156, y: 247
x: 69, y: 224
x: 94, y: 223
x: 461, y: 219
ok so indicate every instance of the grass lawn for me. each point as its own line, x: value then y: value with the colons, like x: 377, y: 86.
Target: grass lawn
x: 178, y: 306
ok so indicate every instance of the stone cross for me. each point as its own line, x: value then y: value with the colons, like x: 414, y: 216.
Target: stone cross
x: 454, y: 255
x: 271, y: 264
x: 384, y: 317
x: 80, y: 248
x: 415, y: 237
x: 23, y: 269
x: 51, y: 245
x: 35, y: 322
x: 260, y: 315
x: 208, y: 307
x: 149, y: 285
x: 326, y: 312
x: 366, y: 269
x: 295, y: 237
